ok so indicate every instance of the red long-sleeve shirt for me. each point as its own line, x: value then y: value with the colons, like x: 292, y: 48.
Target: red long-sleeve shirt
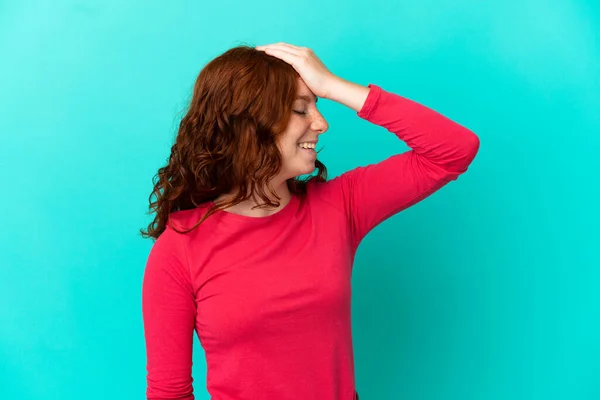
x: 269, y: 297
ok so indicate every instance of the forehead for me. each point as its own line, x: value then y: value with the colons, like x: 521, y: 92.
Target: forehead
x: 304, y: 93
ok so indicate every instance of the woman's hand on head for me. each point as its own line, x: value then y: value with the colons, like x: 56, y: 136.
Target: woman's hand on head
x: 310, y: 68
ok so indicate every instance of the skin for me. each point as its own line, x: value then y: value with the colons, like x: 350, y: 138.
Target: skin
x: 306, y: 123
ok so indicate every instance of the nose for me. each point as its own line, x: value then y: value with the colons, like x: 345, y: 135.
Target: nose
x: 318, y: 124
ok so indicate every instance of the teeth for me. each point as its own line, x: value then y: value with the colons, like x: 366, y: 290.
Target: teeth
x: 307, y: 145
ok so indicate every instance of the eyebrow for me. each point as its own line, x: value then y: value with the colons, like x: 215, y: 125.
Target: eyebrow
x: 307, y: 98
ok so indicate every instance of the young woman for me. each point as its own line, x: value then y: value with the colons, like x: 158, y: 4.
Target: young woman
x: 256, y: 260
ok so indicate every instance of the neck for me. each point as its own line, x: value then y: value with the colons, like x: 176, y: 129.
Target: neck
x: 245, y: 207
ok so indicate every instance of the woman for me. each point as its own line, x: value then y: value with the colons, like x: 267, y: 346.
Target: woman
x: 256, y: 260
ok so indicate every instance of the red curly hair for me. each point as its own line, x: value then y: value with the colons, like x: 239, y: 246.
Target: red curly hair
x: 241, y: 103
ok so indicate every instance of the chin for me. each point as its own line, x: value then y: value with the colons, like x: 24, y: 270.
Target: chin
x: 309, y: 169
x: 304, y: 171
x: 299, y: 167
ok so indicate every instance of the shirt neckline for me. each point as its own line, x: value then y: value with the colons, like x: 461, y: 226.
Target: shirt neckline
x: 290, y: 207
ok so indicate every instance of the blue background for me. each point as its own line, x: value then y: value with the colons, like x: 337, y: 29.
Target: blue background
x: 489, y: 289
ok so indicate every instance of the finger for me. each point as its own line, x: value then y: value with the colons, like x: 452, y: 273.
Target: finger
x: 286, y: 56
x: 282, y: 47
x: 290, y: 45
x: 286, y: 46
x: 281, y: 44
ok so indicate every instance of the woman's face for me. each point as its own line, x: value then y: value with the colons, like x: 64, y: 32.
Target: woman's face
x: 298, y: 141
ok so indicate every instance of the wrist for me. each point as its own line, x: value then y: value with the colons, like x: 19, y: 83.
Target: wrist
x: 333, y: 88
x: 347, y: 93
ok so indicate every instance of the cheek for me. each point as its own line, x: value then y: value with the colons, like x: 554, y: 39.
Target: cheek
x: 290, y: 145
x: 288, y: 150
x: 292, y: 151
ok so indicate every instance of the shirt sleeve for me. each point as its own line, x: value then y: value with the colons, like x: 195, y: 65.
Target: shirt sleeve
x: 169, y: 312
x: 440, y: 150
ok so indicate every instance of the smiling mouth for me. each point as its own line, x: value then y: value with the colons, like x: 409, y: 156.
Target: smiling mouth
x: 307, y: 146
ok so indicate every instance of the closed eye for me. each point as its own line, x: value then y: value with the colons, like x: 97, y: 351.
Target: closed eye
x: 300, y: 112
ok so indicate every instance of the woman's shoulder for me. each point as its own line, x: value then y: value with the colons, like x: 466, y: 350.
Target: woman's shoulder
x: 185, y: 219
x: 328, y: 191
